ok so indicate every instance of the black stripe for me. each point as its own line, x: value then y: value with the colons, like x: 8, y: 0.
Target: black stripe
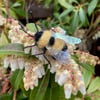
x: 64, y: 48
x: 38, y: 35
x: 51, y: 41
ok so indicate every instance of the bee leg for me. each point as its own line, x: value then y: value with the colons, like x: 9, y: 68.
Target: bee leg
x: 47, y: 60
x: 30, y: 46
x: 38, y: 54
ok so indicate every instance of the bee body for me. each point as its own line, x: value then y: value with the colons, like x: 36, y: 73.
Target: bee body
x: 45, y: 39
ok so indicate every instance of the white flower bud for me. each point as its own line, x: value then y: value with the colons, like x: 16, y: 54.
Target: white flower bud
x: 27, y: 50
x: 42, y: 70
x: 6, y: 62
x: 74, y: 90
x: 67, y: 90
x: 62, y: 77
x: 35, y: 80
x: 14, y: 64
x: 21, y: 63
x: 81, y: 87
x: 37, y: 72
x: 54, y: 66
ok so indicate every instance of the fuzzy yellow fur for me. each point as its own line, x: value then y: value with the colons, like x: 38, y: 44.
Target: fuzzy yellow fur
x: 43, y: 41
x: 59, y: 44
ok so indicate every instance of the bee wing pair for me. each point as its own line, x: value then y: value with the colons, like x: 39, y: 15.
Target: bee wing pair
x: 67, y: 39
x: 63, y: 56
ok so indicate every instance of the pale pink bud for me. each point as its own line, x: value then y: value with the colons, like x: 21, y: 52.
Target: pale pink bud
x: 26, y: 86
x: 74, y: 90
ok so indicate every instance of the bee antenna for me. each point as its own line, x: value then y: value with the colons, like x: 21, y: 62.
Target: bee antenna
x: 22, y: 26
x: 34, y: 23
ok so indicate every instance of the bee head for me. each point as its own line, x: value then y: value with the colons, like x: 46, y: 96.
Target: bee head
x: 38, y: 35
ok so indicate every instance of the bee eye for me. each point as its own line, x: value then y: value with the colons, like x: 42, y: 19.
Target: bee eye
x: 38, y: 35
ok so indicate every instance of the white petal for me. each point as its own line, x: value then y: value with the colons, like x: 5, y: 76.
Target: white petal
x: 31, y: 87
x: 74, y: 90
x: 21, y: 63
x: 6, y: 62
x: 57, y: 76
x: 14, y: 64
x: 34, y: 79
x: 42, y: 70
x: 67, y: 91
x: 26, y: 86
x: 82, y: 90
x: 27, y: 65
x: 54, y: 67
x: 38, y: 72
x: 41, y: 58
x: 27, y: 50
x: 63, y: 77
x: 36, y: 82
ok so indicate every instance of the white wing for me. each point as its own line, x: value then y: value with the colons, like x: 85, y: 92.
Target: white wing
x: 67, y: 39
x: 61, y: 56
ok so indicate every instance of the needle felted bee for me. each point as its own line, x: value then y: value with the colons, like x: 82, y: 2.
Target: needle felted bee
x: 55, y: 44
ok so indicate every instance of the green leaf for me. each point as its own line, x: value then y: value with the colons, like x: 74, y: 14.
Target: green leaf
x: 47, y: 2
x: 87, y: 77
x: 86, y: 21
x: 4, y: 10
x: 92, y: 6
x: 16, y: 78
x: 16, y: 4
x: 54, y: 91
x: 32, y: 27
x: 88, y: 67
x: 95, y: 84
x: 13, y: 14
x: 12, y: 49
x: 82, y: 15
x: 57, y: 93
x: 66, y: 12
x: 7, y: 96
x: 39, y: 92
x: 20, y: 12
x: 65, y: 4
x: 3, y: 39
x: 74, y: 23
x: 21, y: 96
x: 75, y: 1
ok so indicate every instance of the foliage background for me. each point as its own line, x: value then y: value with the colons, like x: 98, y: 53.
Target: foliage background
x: 72, y: 15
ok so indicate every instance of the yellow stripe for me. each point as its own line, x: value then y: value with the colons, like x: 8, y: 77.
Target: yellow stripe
x: 43, y: 41
x: 59, y: 44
